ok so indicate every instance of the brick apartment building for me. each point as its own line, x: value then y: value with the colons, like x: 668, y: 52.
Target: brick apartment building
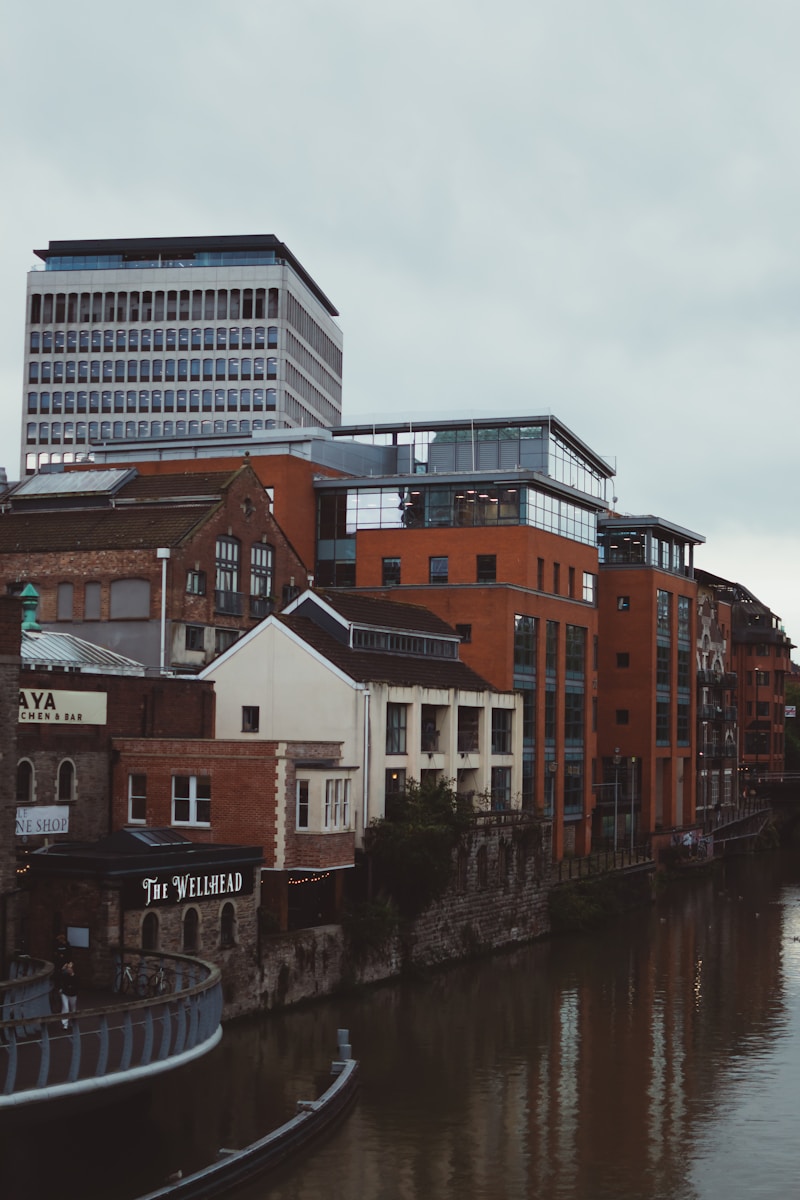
x: 98, y: 546
x: 646, y: 676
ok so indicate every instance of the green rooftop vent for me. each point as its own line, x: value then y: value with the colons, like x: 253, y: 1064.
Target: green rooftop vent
x: 30, y: 602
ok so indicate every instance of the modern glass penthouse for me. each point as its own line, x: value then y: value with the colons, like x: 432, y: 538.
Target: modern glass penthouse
x: 457, y: 474
x: 159, y: 338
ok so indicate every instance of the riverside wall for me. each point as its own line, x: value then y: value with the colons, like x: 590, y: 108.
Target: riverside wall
x: 498, y: 897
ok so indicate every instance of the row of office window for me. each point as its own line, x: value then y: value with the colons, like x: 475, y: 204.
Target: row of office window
x: 467, y: 733
x: 84, y: 433
x: 107, y: 370
x: 74, y: 341
x: 146, y: 400
x: 198, y: 304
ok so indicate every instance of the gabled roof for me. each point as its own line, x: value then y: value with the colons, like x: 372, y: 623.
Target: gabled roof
x: 386, y: 614
x: 111, y: 510
x: 366, y: 666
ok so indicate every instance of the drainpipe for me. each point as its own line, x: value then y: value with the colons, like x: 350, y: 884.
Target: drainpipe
x: 163, y: 552
x: 366, y: 759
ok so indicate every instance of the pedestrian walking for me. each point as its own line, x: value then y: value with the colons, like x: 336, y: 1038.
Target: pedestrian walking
x: 69, y: 992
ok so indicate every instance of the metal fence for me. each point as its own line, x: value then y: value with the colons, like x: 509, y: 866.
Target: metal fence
x: 108, y: 1042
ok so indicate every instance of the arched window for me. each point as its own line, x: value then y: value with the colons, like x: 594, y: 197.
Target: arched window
x: 150, y: 932
x: 24, y: 782
x: 66, y: 781
x: 191, y: 923
x: 227, y: 925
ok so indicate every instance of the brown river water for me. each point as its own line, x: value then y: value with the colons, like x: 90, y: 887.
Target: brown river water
x: 656, y: 1058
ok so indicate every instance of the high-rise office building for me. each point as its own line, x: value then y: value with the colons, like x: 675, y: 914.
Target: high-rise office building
x: 173, y: 337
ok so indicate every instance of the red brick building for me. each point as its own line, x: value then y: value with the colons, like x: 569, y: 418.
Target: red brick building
x: 646, y: 677
x: 99, y: 544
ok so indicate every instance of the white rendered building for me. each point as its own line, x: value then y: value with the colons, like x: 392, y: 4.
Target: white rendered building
x: 163, y: 338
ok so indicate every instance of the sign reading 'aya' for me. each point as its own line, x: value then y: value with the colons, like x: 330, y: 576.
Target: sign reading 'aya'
x: 62, y: 708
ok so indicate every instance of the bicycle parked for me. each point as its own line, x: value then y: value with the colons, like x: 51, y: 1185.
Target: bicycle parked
x: 131, y: 980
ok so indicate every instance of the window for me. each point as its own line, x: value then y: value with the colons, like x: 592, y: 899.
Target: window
x: 623, y: 603
x: 150, y: 932
x: 224, y: 639
x: 437, y: 570
x: 556, y: 578
x: 683, y: 724
x: 501, y: 730
x: 195, y: 637
x: 191, y: 800
x: 228, y: 598
x: 250, y: 717
x: 130, y: 599
x: 337, y: 803
x: 622, y: 716
x: 391, y: 572
x: 65, y: 598
x: 486, y: 568
x: 196, y: 583
x: 191, y: 928
x: 66, y: 782
x: 684, y: 619
x: 662, y: 723
x: 301, y: 812
x: 464, y: 632
x: 468, y: 725
x: 571, y: 582
x: 589, y: 586
x: 524, y: 645
x: 396, y: 728
x: 24, y: 782
x: 501, y: 788
x: 573, y: 717
x: 575, y: 651
x: 663, y: 661
x: 91, y: 602
x: 137, y: 798
x: 623, y: 659
x: 663, y: 607
x: 395, y: 781
x: 762, y: 678
x: 227, y: 925
x: 261, y: 568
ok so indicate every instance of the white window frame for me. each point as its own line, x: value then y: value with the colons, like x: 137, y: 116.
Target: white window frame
x: 302, y: 800
x: 132, y: 820
x: 193, y: 799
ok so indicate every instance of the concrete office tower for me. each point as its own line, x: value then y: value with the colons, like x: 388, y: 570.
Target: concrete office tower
x: 162, y: 338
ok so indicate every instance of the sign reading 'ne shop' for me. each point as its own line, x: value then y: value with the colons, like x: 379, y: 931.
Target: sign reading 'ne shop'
x: 61, y: 708
x: 179, y: 887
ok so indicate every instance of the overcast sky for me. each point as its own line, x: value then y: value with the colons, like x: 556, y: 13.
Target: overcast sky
x: 529, y: 206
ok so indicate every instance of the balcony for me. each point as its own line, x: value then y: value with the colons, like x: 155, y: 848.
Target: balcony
x: 115, y: 1038
x: 230, y: 603
x: 260, y: 607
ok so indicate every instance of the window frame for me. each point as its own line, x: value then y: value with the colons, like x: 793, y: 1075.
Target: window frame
x: 193, y: 800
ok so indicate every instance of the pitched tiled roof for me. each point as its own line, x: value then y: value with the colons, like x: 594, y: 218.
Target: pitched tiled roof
x: 140, y: 526
x: 387, y: 614
x: 173, y: 487
x: 383, y: 666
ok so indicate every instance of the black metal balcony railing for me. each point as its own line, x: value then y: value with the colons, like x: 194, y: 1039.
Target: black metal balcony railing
x: 231, y: 603
x: 261, y: 606
x: 714, y: 679
x: 104, y: 1044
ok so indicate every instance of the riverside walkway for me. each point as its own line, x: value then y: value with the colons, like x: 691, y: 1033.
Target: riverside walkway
x: 111, y: 1041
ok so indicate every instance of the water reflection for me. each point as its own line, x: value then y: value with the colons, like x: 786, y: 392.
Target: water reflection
x: 656, y: 1059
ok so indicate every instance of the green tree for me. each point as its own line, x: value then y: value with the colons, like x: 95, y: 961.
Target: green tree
x: 412, y: 846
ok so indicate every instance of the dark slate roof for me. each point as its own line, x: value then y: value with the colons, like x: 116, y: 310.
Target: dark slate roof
x: 173, y: 487
x: 386, y: 614
x: 138, y: 527
x: 384, y: 667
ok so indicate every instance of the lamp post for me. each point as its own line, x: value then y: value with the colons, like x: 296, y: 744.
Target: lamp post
x: 633, y: 794
x: 757, y: 722
x: 616, y: 793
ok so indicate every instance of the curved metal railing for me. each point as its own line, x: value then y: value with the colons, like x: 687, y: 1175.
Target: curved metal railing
x: 112, y: 1043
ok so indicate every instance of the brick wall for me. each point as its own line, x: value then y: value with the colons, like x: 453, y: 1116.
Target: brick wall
x: 498, y: 898
x: 243, y: 786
